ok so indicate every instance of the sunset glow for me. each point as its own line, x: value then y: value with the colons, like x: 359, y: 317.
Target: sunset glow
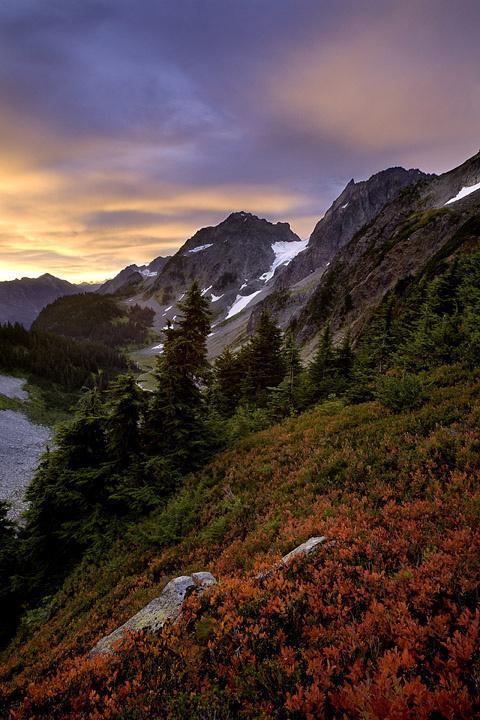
x: 120, y: 136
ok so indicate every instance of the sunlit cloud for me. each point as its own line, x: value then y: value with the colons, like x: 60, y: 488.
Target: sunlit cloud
x: 125, y: 127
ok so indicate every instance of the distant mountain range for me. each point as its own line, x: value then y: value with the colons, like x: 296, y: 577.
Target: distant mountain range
x: 375, y: 234
x: 21, y: 300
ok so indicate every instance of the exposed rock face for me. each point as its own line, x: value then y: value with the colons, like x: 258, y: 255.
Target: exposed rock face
x: 167, y: 607
x: 406, y: 234
x: 22, y: 300
x: 133, y: 275
x: 232, y: 259
x: 356, y: 206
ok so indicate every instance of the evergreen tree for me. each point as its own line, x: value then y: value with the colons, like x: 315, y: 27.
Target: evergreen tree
x: 68, y: 497
x: 322, y: 370
x: 123, y: 421
x: 227, y: 385
x: 9, y: 552
x: 176, y: 420
x: 263, y: 360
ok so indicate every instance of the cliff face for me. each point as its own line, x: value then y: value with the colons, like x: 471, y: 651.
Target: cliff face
x: 434, y: 218
x: 356, y: 205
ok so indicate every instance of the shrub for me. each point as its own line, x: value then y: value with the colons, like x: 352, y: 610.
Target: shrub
x: 400, y: 393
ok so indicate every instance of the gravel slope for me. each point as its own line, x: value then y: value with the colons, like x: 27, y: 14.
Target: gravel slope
x: 21, y: 445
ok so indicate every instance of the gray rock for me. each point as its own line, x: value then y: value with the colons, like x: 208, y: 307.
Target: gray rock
x: 21, y: 446
x: 309, y: 546
x: 306, y: 548
x: 167, y: 607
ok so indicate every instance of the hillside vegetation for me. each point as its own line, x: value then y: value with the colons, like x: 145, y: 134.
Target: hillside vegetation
x: 375, y: 447
x: 96, y: 318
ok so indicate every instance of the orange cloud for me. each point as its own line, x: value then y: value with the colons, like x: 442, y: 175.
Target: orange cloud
x: 380, y: 85
x: 89, y: 229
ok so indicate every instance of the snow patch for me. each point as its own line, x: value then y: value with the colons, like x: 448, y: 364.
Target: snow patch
x: 205, y: 290
x: 158, y: 348
x: 240, y: 303
x: 284, y: 253
x: 463, y: 193
x: 148, y: 273
x: 215, y: 297
x: 167, y: 309
x: 200, y: 248
x: 344, y: 206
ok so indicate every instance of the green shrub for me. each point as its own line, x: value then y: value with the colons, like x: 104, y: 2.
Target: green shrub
x: 400, y: 393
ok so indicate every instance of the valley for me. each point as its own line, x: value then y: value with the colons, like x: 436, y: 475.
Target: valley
x: 222, y: 407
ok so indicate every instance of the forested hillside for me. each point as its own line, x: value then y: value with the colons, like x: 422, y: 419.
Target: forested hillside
x: 97, y: 318
x: 57, y: 360
x: 375, y: 447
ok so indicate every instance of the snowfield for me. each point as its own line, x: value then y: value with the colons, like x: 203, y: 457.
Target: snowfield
x: 463, y: 193
x: 284, y: 253
x: 200, y: 248
x: 241, y: 302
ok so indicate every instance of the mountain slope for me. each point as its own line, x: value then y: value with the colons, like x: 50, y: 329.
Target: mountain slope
x: 22, y: 300
x: 382, y: 619
x: 355, y: 207
x: 409, y: 232
x: 133, y: 275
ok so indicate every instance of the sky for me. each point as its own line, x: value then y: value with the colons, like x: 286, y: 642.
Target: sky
x: 126, y: 125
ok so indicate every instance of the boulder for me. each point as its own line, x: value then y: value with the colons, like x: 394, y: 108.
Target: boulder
x: 167, y: 607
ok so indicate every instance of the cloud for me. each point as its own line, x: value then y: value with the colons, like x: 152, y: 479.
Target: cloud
x: 126, y: 126
x: 384, y: 84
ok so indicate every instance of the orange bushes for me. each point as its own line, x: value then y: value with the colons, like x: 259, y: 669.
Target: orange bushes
x: 382, y: 622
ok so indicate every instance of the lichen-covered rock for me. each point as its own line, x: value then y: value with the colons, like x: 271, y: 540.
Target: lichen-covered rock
x: 167, y: 607
x: 304, y: 549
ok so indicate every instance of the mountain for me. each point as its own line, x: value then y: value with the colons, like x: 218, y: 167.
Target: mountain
x: 132, y: 276
x: 430, y: 220
x: 22, y: 300
x: 356, y: 206
x: 232, y: 261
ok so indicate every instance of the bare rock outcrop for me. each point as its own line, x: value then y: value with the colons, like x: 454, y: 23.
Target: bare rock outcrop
x: 167, y: 607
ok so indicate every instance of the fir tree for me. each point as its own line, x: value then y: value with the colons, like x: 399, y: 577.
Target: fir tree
x: 227, y: 386
x: 176, y: 422
x: 263, y: 360
x: 123, y: 431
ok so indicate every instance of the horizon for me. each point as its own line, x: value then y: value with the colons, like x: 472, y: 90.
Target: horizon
x: 127, y: 129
